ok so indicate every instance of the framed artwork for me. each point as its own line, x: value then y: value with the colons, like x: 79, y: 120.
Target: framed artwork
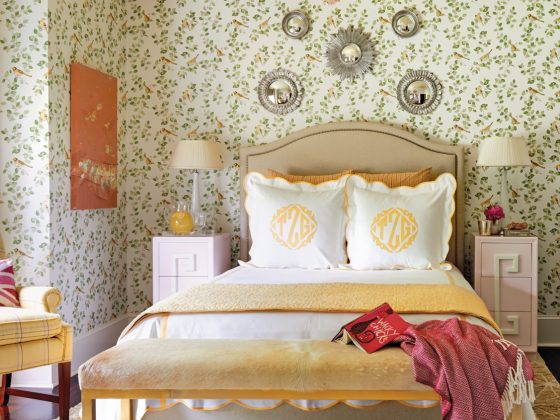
x: 93, y: 138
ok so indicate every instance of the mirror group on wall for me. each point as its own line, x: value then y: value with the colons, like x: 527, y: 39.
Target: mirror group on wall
x: 350, y: 54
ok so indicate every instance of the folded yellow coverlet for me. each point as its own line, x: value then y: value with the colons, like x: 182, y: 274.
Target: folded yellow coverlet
x: 325, y: 297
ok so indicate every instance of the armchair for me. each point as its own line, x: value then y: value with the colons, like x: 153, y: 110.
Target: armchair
x: 34, y: 335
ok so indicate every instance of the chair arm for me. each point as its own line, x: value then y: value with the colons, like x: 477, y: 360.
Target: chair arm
x: 39, y: 298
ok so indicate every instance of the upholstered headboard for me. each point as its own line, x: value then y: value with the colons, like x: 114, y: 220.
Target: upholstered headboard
x: 365, y: 146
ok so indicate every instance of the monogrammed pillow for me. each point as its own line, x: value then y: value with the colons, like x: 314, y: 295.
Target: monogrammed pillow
x: 295, y: 224
x: 403, y: 227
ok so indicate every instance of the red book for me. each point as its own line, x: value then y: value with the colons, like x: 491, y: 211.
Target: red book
x: 373, y: 330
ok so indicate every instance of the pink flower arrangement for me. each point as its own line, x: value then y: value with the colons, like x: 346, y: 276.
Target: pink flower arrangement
x: 494, y: 212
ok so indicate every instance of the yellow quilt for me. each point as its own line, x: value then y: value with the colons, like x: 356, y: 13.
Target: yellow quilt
x: 324, y: 297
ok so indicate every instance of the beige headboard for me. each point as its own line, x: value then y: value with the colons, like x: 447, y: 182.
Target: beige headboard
x: 366, y: 146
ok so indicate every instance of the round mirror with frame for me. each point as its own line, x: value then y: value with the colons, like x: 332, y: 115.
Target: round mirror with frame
x: 405, y: 23
x: 350, y: 53
x: 295, y: 24
x: 419, y: 92
x: 280, y: 91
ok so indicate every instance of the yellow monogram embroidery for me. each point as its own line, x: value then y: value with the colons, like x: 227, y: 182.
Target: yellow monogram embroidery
x: 394, y: 229
x: 293, y: 226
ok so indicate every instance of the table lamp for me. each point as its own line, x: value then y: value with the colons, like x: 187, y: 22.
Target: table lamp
x: 196, y: 155
x: 503, y: 152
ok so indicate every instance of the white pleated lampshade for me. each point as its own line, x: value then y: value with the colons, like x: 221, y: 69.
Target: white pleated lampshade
x: 196, y: 154
x: 503, y: 151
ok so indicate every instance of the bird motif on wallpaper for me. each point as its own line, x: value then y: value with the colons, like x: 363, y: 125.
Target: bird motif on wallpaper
x: 186, y: 24
x: 167, y: 61
x: 383, y: 92
x: 220, y: 196
x: 383, y: 20
x: 460, y: 129
x: 554, y: 200
x: 19, y: 253
x: 112, y: 18
x: 331, y: 22
x: 66, y: 155
x: 192, y: 60
x: 439, y: 12
x: 459, y: 56
x: 404, y: 56
x: 485, y: 56
x: 167, y: 132
x: 554, y: 53
x: 478, y: 19
x: 193, y: 132
x: 534, y: 18
x: 219, y: 124
x: 533, y: 91
x: 147, y: 160
x: 264, y: 23
x: 479, y: 91
x: 20, y: 163
x: 187, y: 95
x: 76, y: 39
x: 537, y: 164
x: 43, y: 24
x: 147, y: 88
x: 258, y: 58
x: 312, y: 58
x: 148, y: 231
x: 514, y: 194
x: 43, y: 115
x: 219, y: 53
x: 554, y: 126
x: 239, y: 24
x: 90, y: 45
x: 485, y: 203
x: 331, y: 93
x: 19, y: 72
x: 238, y: 95
x: 48, y: 73
x: 487, y: 129
x: 513, y: 47
x: 124, y: 26
x: 146, y: 17
x: 103, y: 43
x: 514, y: 120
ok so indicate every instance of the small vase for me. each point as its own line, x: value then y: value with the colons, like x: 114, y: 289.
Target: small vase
x: 180, y: 220
x: 496, y: 227
x: 484, y: 227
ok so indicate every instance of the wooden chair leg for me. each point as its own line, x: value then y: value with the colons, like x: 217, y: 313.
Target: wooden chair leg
x: 6, y: 382
x: 64, y: 390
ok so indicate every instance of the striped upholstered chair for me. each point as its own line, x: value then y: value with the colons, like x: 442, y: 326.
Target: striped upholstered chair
x: 34, y: 335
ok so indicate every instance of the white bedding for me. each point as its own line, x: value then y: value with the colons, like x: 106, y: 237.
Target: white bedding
x: 284, y: 325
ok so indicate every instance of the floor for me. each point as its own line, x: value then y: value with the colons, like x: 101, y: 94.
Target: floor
x: 25, y: 409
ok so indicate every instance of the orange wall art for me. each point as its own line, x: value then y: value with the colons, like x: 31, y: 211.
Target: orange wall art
x: 93, y: 138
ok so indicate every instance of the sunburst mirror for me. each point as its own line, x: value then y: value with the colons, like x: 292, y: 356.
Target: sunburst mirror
x: 351, y: 53
x: 280, y: 91
x: 419, y: 92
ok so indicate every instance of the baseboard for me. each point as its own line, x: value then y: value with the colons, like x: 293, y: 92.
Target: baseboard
x: 85, y: 346
x: 549, y: 331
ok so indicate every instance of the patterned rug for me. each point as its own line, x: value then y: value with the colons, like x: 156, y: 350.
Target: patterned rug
x: 547, y: 391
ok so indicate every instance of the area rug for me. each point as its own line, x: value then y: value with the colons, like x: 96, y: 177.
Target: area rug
x: 547, y: 391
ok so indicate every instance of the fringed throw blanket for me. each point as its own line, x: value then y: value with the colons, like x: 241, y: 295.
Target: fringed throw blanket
x: 477, y: 374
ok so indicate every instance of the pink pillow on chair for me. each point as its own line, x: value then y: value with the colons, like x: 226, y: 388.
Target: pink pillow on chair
x: 8, y: 292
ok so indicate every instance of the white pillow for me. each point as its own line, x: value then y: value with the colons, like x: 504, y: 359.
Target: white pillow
x: 400, y: 227
x: 296, y: 224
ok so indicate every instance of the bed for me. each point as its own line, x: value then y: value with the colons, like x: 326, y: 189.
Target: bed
x: 327, y: 148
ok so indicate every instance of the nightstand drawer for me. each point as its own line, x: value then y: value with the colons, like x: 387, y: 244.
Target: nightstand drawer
x: 170, y: 285
x: 501, y: 254
x: 183, y: 259
x: 515, y: 293
x: 516, y: 327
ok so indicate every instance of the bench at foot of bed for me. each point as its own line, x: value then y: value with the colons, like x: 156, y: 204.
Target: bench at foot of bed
x: 247, y: 369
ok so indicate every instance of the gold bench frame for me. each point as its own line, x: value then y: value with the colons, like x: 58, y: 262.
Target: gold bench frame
x: 127, y: 395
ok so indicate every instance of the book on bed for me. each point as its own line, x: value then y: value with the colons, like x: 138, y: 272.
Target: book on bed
x: 373, y: 330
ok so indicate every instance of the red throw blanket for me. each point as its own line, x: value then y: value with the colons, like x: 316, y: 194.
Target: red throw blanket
x: 473, y: 370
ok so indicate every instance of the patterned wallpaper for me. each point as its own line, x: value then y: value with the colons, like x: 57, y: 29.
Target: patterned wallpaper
x: 194, y: 66
x: 24, y: 147
x: 190, y: 69
x: 88, y: 249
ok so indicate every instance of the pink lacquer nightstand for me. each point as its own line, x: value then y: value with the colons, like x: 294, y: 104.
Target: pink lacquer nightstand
x: 180, y: 262
x: 505, y: 271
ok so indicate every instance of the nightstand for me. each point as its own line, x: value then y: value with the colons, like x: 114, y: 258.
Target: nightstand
x: 180, y: 262
x: 505, y: 272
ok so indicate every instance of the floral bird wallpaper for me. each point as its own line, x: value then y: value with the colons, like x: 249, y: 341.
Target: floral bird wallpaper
x: 190, y: 70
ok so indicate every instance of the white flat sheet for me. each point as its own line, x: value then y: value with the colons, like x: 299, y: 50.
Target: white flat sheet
x: 284, y: 325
